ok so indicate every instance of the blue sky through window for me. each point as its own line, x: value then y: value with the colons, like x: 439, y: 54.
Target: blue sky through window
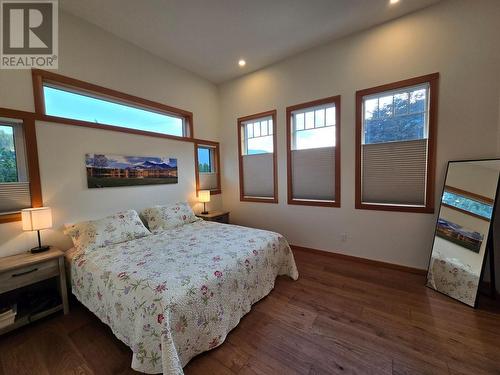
x: 204, y: 160
x: 314, y: 128
x: 70, y: 105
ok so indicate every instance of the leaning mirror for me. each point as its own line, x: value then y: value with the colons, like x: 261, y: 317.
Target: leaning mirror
x: 463, y: 227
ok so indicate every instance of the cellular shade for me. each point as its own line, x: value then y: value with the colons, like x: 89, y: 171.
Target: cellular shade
x: 258, y: 175
x: 208, y: 181
x: 14, y: 196
x: 313, y: 174
x: 395, y: 172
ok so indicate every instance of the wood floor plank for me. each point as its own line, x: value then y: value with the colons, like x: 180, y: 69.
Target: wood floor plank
x: 340, y: 317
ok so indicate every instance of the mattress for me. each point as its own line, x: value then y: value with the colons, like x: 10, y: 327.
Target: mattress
x: 175, y: 294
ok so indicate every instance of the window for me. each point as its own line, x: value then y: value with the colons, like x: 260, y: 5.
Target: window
x: 19, y: 178
x: 206, y: 160
x: 313, y: 131
x: 469, y: 203
x: 90, y: 105
x: 67, y: 104
x: 207, y: 166
x: 395, y: 145
x: 257, y: 157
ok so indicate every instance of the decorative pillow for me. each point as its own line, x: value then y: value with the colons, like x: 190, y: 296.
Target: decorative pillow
x: 160, y: 218
x: 120, y: 227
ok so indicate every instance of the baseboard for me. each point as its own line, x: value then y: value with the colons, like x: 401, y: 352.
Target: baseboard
x: 417, y: 271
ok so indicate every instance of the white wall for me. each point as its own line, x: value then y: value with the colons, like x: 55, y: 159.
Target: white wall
x: 456, y: 39
x: 91, y: 54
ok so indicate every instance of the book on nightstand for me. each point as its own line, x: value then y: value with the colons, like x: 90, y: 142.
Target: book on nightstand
x: 7, y: 316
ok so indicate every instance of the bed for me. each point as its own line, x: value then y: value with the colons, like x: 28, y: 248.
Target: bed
x: 172, y: 295
x: 453, y: 277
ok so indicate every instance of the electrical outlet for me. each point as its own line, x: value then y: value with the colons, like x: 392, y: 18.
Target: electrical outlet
x: 343, y: 237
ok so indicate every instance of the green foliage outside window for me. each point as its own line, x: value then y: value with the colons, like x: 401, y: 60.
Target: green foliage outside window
x: 8, y: 166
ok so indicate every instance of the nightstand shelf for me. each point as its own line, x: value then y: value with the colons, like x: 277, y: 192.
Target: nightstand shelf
x: 24, y: 273
x: 217, y: 216
x: 28, y: 318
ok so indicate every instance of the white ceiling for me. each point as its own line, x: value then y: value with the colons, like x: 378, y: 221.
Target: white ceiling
x: 208, y: 37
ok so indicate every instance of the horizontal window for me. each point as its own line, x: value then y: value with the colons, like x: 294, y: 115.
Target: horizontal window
x: 76, y: 106
x: 257, y: 141
x: 71, y: 101
x: 395, y: 142
x: 313, y: 153
x: 469, y: 203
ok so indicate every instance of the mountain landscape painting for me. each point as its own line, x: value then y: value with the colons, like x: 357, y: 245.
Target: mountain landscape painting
x: 115, y: 170
x: 468, y: 238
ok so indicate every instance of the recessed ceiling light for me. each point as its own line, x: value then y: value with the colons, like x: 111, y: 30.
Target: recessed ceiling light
x: 392, y: 2
x: 242, y: 63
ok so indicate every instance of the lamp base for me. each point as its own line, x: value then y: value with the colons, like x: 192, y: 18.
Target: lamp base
x: 204, y: 212
x: 39, y: 249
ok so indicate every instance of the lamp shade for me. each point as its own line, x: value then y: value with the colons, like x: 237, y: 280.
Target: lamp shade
x: 204, y: 196
x: 36, y: 218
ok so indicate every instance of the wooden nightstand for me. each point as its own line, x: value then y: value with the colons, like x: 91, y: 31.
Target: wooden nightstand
x: 218, y: 216
x: 19, y: 271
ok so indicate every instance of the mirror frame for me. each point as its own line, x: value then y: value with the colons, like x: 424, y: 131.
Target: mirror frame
x: 489, y: 237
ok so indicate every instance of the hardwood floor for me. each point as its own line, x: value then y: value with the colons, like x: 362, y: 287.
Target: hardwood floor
x: 340, y: 317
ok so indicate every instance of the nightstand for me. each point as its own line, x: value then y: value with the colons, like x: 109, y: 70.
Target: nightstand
x: 217, y: 216
x: 20, y: 273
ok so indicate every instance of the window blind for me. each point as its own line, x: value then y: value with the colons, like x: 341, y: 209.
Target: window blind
x: 14, y: 196
x: 395, y: 172
x: 208, y: 181
x: 258, y: 175
x: 313, y: 173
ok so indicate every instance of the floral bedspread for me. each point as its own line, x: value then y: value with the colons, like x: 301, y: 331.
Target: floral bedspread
x: 454, y: 278
x: 173, y: 295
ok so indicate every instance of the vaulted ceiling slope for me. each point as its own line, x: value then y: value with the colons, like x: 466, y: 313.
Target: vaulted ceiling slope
x: 208, y: 37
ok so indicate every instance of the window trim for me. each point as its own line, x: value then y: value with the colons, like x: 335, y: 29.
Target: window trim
x: 469, y: 195
x: 432, y: 80
x: 241, y: 121
x: 28, y: 123
x: 289, y: 111
x: 43, y: 77
x: 216, y: 147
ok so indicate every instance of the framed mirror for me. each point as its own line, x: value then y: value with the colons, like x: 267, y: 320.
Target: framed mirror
x: 462, y: 236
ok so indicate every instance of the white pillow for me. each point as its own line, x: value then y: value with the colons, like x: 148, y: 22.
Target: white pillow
x: 120, y: 227
x: 170, y: 216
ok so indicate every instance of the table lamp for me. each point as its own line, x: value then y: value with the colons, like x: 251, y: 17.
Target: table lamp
x: 204, y: 196
x: 37, y: 219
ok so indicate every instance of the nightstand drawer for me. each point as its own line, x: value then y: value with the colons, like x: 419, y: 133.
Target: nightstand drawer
x: 19, y: 277
x: 221, y: 219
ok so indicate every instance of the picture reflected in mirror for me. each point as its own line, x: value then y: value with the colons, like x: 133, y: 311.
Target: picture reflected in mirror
x: 462, y: 229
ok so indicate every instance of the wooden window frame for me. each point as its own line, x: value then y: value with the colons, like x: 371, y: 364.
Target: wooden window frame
x: 216, y: 147
x: 241, y: 120
x: 469, y: 195
x: 28, y: 123
x: 310, y: 202
x: 433, y: 81
x: 42, y: 77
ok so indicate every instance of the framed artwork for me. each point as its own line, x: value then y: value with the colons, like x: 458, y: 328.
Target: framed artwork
x: 468, y: 238
x: 116, y: 170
